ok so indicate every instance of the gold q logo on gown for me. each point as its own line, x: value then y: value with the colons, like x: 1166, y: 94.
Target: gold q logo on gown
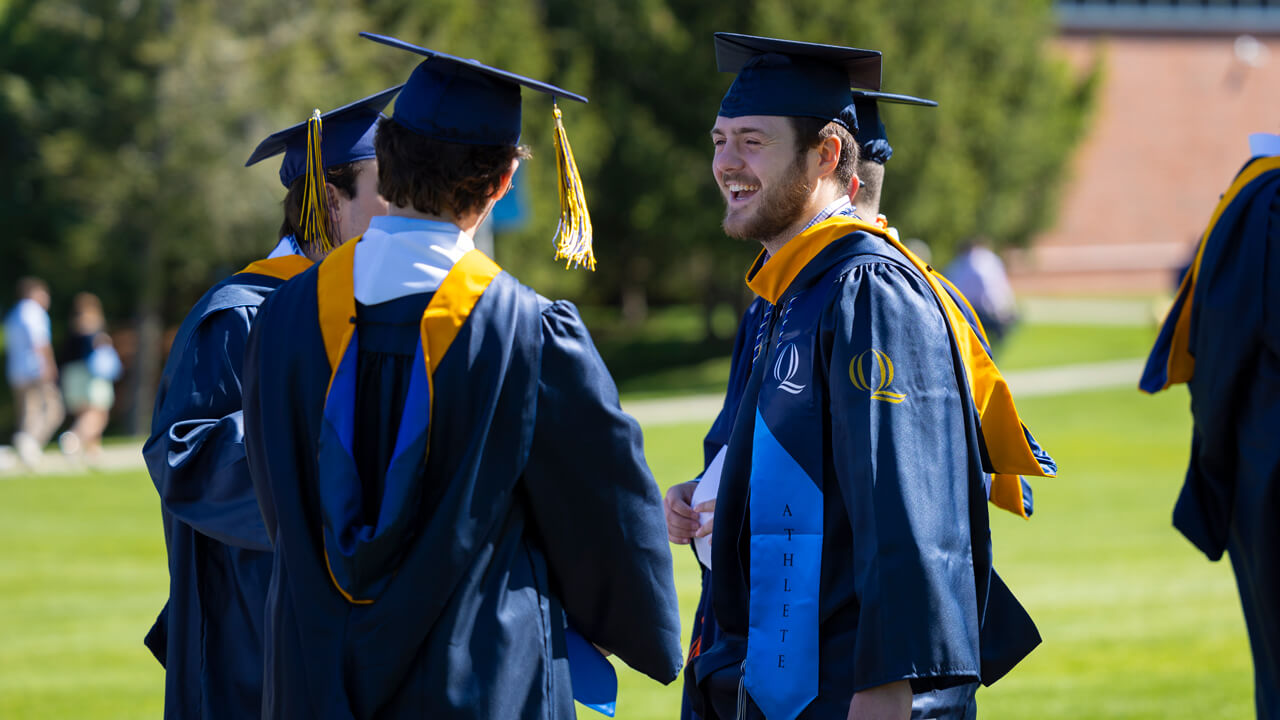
x: 872, y: 371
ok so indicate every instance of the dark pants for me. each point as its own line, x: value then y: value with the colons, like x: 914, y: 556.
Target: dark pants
x: 1255, y: 555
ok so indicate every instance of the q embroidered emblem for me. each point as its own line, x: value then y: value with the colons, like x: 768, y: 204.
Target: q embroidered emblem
x: 872, y: 371
x: 786, y: 367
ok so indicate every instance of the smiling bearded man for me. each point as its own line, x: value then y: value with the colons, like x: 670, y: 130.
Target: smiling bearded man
x: 851, y: 545
x: 753, y: 212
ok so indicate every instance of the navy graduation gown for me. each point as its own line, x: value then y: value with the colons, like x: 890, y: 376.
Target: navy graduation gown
x: 907, y: 590
x: 209, y: 634
x: 533, y: 507
x: 1223, y: 340
x: 954, y: 703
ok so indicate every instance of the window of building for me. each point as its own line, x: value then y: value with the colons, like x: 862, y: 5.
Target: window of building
x: 1190, y: 16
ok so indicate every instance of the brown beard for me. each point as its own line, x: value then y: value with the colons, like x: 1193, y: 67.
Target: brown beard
x: 777, y: 207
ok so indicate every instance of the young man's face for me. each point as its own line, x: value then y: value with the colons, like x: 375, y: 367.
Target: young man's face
x: 354, y: 213
x: 760, y: 173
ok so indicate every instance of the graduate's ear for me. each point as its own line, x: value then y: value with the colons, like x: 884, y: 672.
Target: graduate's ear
x: 337, y: 198
x: 828, y: 152
x: 855, y: 184
x: 508, y: 178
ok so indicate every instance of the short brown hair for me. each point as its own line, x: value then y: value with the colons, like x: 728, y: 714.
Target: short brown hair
x: 343, y: 177
x: 29, y: 285
x: 437, y: 177
x: 810, y: 132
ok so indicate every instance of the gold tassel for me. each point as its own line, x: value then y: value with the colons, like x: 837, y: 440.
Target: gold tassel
x: 315, y: 198
x: 573, y: 236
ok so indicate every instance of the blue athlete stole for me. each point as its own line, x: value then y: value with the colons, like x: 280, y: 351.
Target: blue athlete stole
x: 785, y: 509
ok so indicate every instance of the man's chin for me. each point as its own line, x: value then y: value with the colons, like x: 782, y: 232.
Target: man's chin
x: 737, y: 226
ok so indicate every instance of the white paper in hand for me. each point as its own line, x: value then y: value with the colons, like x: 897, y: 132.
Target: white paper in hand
x: 705, y: 491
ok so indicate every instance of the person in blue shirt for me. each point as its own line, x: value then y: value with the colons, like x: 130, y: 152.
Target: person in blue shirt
x: 32, y: 371
x: 850, y: 551
x: 460, y: 508
x: 209, y: 634
x: 1220, y: 339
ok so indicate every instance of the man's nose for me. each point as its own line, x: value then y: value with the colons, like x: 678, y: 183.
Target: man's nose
x: 726, y: 160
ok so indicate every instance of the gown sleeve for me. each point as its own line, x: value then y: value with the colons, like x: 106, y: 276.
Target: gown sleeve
x: 596, y: 506
x: 901, y: 458
x: 196, y: 453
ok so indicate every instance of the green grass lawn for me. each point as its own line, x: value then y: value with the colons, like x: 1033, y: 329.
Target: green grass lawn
x: 670, y: 356
x: 1136, y: 623
x: 1043, y: 345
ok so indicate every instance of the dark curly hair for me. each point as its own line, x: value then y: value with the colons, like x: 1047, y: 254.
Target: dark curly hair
x: 437, y: 177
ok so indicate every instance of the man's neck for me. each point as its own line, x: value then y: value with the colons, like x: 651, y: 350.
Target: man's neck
x: 821, y: 198
x: 467, y: 223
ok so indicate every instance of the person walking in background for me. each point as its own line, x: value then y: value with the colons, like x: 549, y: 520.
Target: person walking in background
x: 979, y: 274
x: 89, y: 370
x: 32, y: 371
x: 209, y: 634
x: 1222, y: 339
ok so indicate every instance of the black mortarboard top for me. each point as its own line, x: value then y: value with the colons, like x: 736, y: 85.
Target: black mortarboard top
x: 346, y: 136
x: 460, y: 100
x: 873, y: 144
x: 792, y: 78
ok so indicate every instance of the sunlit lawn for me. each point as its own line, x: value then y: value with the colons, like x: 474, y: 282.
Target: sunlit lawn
x: 669, y: 356
x: 1136, y: 623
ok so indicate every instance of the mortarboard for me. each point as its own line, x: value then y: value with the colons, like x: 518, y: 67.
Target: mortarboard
x: 792, y: 78
x: 461, y: 100
x: 340, y: 136
x: 347, y: 136
x: 872, y: 141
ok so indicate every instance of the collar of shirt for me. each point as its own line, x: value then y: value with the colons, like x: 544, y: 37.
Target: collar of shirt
x: 400, y: 256
x: 286, y: 246
x: 839, y: 206
x: 1264, y: 145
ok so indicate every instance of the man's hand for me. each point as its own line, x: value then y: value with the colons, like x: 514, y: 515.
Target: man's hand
x: 682, y: 521
x: 884, y: 702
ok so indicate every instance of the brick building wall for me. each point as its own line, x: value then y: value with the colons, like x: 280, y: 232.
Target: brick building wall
x: 1170, y: 130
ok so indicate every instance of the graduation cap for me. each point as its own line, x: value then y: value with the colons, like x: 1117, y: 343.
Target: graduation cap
x: 872, y: 141
x: 792, y: 78
x: 347, y: 137
x: 461, y: 100
x: 340, y: 136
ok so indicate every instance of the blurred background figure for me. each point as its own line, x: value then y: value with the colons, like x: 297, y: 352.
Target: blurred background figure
x: 89, y: 371
x: 31, y: 370
x: 920, y: 248
x: 979, y: 273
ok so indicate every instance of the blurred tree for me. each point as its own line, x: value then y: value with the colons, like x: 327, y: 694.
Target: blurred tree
x: 650, y: 71
x: 124, y: 125
x: 988, y: 160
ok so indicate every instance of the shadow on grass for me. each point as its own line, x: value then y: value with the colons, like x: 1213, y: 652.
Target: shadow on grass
x: 669, y: 354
